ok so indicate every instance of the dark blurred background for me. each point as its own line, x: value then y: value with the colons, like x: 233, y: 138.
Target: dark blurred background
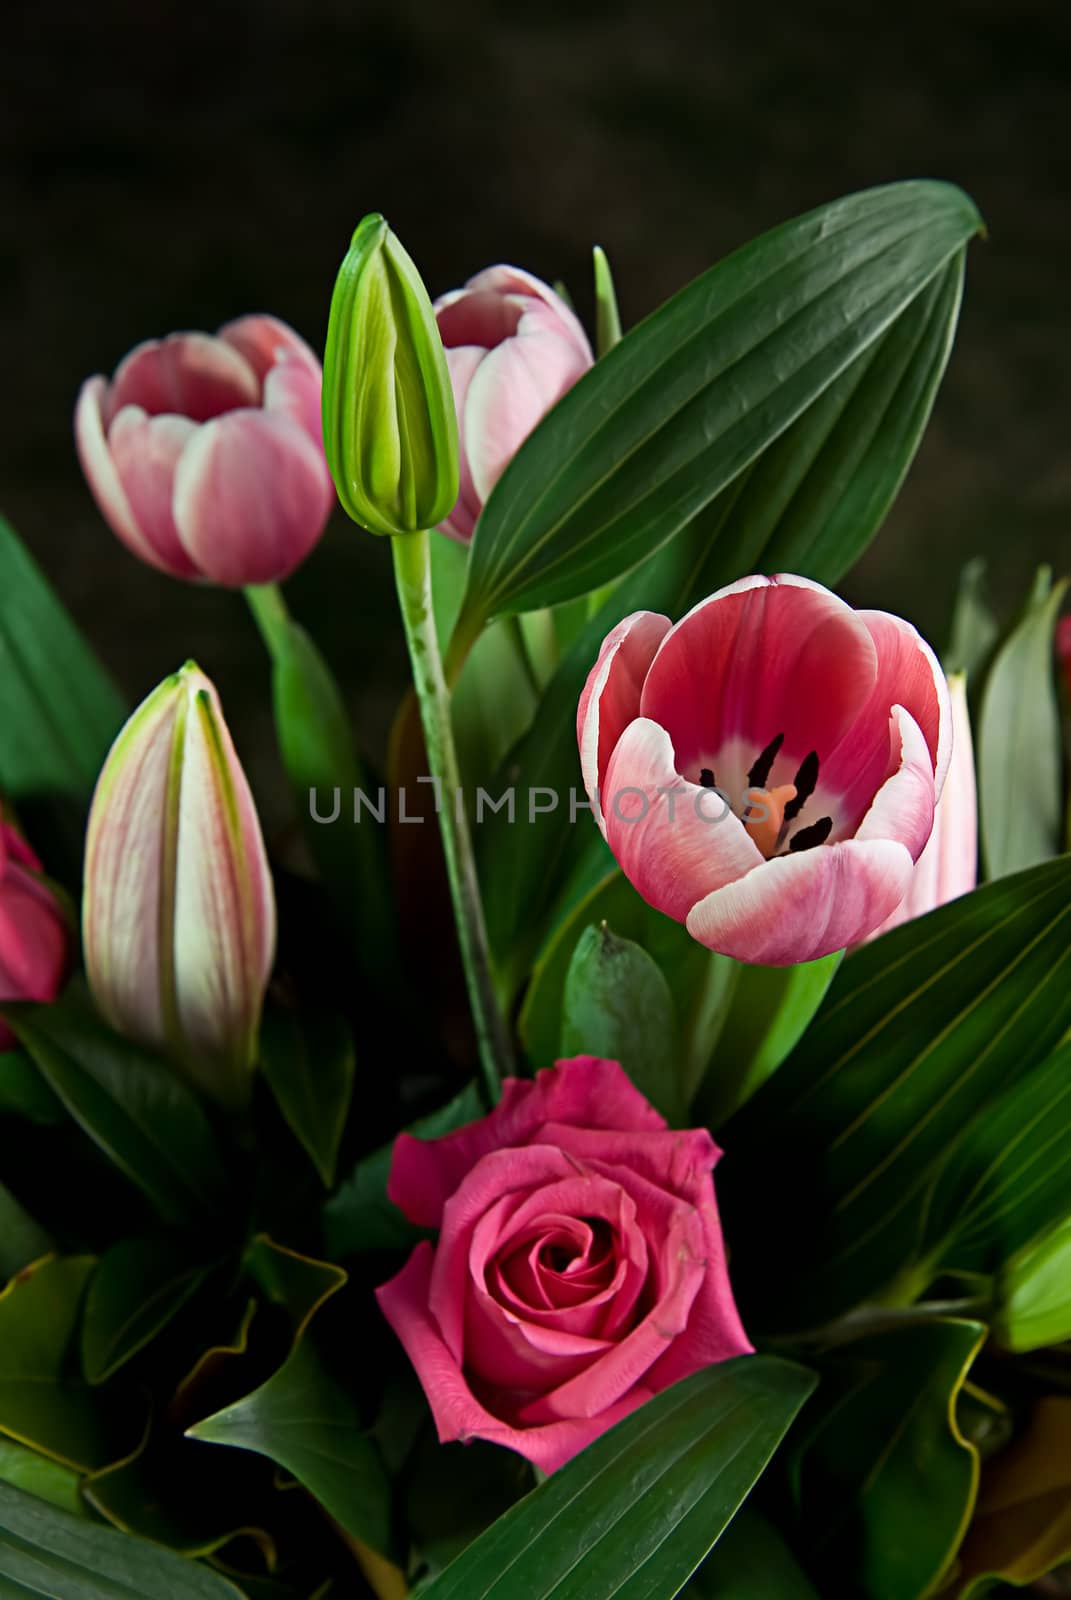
x: 173, y: 165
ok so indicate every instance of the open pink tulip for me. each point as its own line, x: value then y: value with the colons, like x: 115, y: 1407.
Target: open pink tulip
x: 513, y: 348
x: 948, y: 866
x: 205, y: 454
x: 34, y: 943
x: 826, y: 734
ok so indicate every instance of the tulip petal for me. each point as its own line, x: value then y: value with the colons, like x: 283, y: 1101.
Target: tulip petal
x: 103, y: 480
x: 903, y: 807
x: 511, y: 391
x: 675, y: 841
x: 506, y: 280
x: 461, y: 365
x: 477, y: 318
x: 584, y: 1091
x: 265, y: 341
x: 189, y: 374
x: 146, y: 451
x: 611, y: 696
x: 762, y: 657
x: 292, y: 389
x: 802, y: 906
x: 252, y: 495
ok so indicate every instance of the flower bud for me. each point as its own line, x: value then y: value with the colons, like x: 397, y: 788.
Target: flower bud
x: 1034, y: 1299
x: 34, y: 942
x: 389, y: 426
x: 179, y: 912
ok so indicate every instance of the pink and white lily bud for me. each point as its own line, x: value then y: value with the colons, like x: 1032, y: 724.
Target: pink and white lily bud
x: 205, y: 453
x: 513, y: 348
x: 34, y: 939
x: 948, y: 866
x: 179, y: 911
x: 766, y: 770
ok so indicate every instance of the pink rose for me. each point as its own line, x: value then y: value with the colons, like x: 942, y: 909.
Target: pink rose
x: 34, y: 940
x: 580, y: 1266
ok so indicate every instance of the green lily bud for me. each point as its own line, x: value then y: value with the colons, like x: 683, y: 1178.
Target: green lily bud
x: 390, y: 427
x: 179, y: 913
x: 1034, y: 1293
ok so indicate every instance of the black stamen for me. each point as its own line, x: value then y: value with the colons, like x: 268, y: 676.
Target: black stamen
x: 805, y: 780
x: 706, y: 778
x: 817, y: 833
x: 758, y: 776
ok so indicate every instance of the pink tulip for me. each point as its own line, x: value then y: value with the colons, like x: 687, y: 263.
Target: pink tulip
x: 513, y: 348
x: 205, y: 453
x: 948, y: 866
x: 826, y: 733
x: 34, y: 945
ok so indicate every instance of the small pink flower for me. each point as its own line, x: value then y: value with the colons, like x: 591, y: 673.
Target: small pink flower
x: 579, y: 1269
x: 34, y: 942
x: 948, y: 866
x: 205, y: 453
x: 826, y: 733
x: 1063, y: 653
x: 513, y: 348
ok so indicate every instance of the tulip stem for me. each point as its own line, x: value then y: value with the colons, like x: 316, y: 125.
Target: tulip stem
x: 270, y: 614
x: 412, y: 571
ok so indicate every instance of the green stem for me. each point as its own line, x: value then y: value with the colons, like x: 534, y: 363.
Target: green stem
x: 269, y: 613
x: 412, y: 571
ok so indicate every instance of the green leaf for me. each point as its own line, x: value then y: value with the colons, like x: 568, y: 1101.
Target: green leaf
x: 919, y: 1032
x: 751, y: 1561
x: 59, y: 712
x: 299, y: 1284
x: 37, y: 1475
x: 607, y: 316
x: 974, y: 627
x: 1020, y: 764
x: 304, y: 1420
x: 454, y: 1492
x: 617, y: 1004
x: 22, y: 1239
x: 810, y: 504
x: 41, y: 1405
x: 360, y: 1217
x: 45, y: 1551
x: 885, y: 1481
x: 138, y: 1287
x: 697, y: 391
x: 24, y: 1092
x: 144, y: 1118
x: 1008, y: 1181
x: 634, y: 1514
x: 307, y: 1059
x: 767, y: 1015
x: 1033, y: 1293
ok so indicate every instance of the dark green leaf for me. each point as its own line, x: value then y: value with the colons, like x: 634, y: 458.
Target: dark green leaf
x: 304, y: 1420
x: 41, y: 1405
x: 617, y: 1004
x: 24, y: 1092
x: 360, y: 1217
x: 142, y: 1116
x: 59, y: 712
x: 454, y: 1492
x: 23, y: 1468
x: 1020, y: 765
x: 138, y: 1287
x: 974, y: 627
x: 697, y: 391
x: 308, y: 1061
x: 1033, y: 1297
x: 885, y: 1480
x: 49, y: 1553
x: 751, y: 1562
x: 634, y: 1514
x: 300, y: 1284
x: 919, y: 1032
x: 810, y: 504
x: 22, y: 1240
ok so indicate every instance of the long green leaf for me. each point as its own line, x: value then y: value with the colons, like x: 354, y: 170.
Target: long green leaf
x: 1020, y: 762
x: 49, y: 1553
x: 307, y: 1059
x: 148, y: 1123
x: 692, y: 396
x: 810, y: 504
x: 636, y: 1512
x: 751, y: 1562
x: 138, y: 1287
x: 919, y: 1032
x: 59, y: 712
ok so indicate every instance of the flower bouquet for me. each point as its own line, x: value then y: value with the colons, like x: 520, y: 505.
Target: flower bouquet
x: 611, y: 1145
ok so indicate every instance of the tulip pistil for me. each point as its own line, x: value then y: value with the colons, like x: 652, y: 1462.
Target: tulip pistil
x: 764, y: 815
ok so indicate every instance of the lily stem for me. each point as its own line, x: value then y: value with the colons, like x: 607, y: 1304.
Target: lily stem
x: 412, y: 571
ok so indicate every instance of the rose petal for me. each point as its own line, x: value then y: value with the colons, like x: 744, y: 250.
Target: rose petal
x: 799, y: 907
x: 675, y: 841
x: 146, y: 451
x: 611, y: 695
x: 188, y: 374
x: 252, y: 497
x: 583, y: 1092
